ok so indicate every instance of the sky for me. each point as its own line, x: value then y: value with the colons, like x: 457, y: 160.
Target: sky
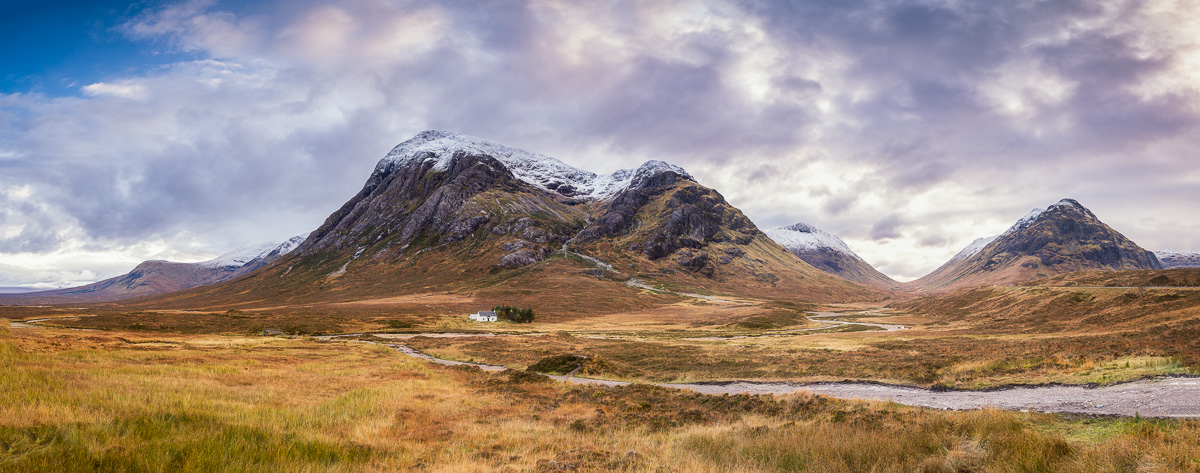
x: 181, y: 130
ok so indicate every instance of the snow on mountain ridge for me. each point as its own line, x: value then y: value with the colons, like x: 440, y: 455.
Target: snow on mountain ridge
x: 804, y: 237
x: 1024, y: 222
x: 541, y: 171
x: 291, y: 244
x: 1170, y: 258
x: 244, y: 255
x: 975, y: 247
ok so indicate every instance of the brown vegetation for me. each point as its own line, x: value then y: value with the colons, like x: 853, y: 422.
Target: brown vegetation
x: 78, y: 401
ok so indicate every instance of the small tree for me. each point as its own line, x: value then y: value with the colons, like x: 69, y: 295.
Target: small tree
x: 514, y: 314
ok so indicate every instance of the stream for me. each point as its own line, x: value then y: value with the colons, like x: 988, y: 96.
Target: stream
x: 1174, y: 397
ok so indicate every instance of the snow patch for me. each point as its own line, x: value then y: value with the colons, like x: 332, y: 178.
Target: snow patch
x: 1174, y: 252
x: 1025, y: 222
x: 544, y: 172
x: 974, y: 248
x: 1171, y: 258
x: 804, y: 237
x: 244, y: 255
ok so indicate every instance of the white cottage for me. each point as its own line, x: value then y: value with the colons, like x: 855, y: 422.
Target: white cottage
x: 483, y: 316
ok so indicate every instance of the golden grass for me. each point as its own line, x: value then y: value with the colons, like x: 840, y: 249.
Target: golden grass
x: 75, y: 401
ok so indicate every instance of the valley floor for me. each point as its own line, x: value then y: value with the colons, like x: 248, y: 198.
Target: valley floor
x: 112, y: 389
x: 136, y: 401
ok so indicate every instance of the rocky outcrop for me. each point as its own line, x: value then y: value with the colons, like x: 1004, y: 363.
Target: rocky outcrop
x: 666, y: 213
x: 403, y: 203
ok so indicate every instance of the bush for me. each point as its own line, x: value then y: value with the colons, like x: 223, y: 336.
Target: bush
x: 514, y: 314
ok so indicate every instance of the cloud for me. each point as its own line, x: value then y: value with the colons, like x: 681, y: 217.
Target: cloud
x: 908, y: 127
x: 127, y: 91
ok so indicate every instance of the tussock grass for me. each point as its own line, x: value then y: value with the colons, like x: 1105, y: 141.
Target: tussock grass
x: 78, y: 401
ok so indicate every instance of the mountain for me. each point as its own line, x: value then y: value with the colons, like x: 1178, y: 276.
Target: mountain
x: 158, y: 277
x: 828, y: 253
x: 1061, y: 238
x: 1176, y: 259
x: 454, y: 213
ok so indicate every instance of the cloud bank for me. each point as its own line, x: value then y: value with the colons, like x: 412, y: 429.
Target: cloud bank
x: 909, y: 128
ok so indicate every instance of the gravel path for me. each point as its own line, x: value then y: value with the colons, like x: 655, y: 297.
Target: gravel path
x: 635, y: 282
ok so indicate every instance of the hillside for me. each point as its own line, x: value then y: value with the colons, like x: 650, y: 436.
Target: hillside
x: 829, y: 253
x: 160, y: 277
x: 1063, y: 238
x: 1164, y: 309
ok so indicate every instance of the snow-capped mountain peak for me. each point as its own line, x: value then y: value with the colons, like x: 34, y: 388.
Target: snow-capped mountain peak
x: 975, y: 247
x: 291, y: 243
x: 805, y: 237
x: 1170, y: 258
x: 1172, y: 251
x: 1023, y: 222
x: 247, y: 254
x: 541, y: 171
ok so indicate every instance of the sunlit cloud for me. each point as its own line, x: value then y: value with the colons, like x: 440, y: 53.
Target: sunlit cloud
x: 907, y: 128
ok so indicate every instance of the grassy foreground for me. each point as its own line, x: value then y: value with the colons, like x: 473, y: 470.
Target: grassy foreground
x: 136, y: 401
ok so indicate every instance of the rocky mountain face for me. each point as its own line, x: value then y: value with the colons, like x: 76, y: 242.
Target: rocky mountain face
x: 159, y: 277
x: 1176, y: 259
x: 828, y: 253
x: 1062, y: 238
x: 457, y: 212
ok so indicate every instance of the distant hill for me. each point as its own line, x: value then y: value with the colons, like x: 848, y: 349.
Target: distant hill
x: 1061, y: 238
x: 158, y: 277
x: 828, y: 253
x: 1177, y: 259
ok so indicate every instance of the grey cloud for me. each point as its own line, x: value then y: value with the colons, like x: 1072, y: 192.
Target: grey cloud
x: 887, y: 228
x: 935, y: 241
x: 762, y: 172
x: 838, y: 205
x: 896, y: 98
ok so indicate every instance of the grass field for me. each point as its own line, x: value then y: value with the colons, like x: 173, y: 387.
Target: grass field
x: 132, y: 401
x: 974, y: 338
x: 151, y: 389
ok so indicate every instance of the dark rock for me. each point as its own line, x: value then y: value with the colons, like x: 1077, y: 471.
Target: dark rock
x: 520, y: 258
x: 515, y: 245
